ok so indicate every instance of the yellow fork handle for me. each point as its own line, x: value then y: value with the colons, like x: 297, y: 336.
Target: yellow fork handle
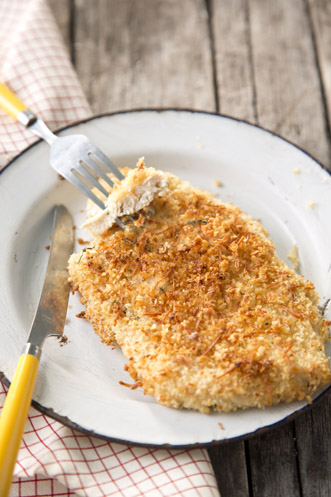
x: 10, y: 103
x: 13, y: 417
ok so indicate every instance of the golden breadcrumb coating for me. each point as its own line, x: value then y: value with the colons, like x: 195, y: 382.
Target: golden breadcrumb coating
x: 202, y: 307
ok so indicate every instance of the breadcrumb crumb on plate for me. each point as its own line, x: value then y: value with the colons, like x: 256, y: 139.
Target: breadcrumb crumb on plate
x: 293, y: 256
x: 310, y: 204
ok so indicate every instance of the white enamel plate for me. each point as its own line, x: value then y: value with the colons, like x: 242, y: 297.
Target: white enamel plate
x: 265, y: 175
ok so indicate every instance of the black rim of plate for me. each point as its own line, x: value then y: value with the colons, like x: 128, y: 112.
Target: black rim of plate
x: 67, y: 421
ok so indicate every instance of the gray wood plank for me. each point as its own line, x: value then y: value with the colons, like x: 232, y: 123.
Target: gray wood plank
x: 234, y: 74
x: 289, y: 99
x: 273, y: 465
x: 149, y: 53
x: 313, y: 432
x: 320, y: 11
x: 229, y: 463
x: 61, y: 12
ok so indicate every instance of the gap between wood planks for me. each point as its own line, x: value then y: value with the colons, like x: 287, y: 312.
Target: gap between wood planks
x: 297, y: 460
x: 248, y: 469
x: 251, y: 62
x: 213, y: 54
x: 72, y: 31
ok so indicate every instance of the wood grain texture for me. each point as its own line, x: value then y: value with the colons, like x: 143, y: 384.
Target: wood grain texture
x: 62, y: 14
x: 229, y: 463
x: 320, y: 11
x: 234, y: 75
x: 149, y: 53
x: 313, y: 432
x: 287, y: 85
x: 273, y: 465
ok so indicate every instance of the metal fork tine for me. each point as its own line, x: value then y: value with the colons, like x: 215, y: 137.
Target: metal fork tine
x: 77, y: 159
x: 98, y: 170
x: 87, y: 192
x: 85, y: 172
x: 107, y: 163
x: 120, y: 224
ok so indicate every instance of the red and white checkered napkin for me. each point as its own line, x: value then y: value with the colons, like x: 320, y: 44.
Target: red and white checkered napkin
x: 55, y: 460
x: 34, y: 63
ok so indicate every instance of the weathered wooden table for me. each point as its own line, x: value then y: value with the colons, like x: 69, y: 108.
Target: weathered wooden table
x: 266, y: 61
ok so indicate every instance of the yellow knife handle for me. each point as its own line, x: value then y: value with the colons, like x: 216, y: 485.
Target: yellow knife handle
x: 10, y: 103
x: 14, y: 415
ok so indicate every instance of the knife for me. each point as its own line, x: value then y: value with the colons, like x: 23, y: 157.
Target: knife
x: 48, y: 321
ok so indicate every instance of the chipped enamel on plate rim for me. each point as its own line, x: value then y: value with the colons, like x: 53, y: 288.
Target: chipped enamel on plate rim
x: 79, y: 382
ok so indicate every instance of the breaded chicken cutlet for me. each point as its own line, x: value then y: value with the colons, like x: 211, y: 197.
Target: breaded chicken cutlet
x: 194, y: 293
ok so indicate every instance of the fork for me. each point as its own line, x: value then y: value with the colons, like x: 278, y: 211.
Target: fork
x: 74, y: 157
